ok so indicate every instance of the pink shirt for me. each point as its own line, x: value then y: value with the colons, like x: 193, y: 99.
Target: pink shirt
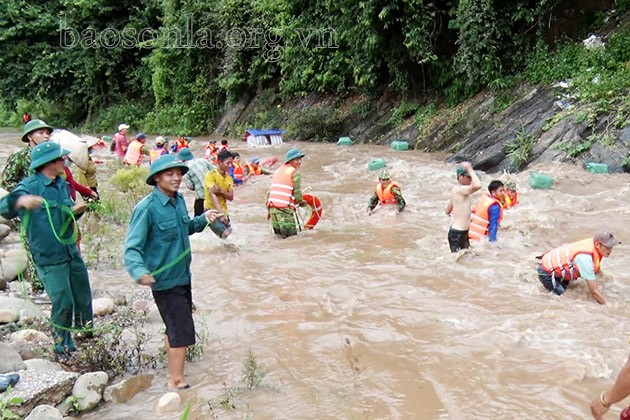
x: 121, y: 145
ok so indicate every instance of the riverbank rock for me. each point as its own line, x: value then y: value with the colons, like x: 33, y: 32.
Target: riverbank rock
x: 103, y: 306
x: 44, y: 412
x: 4, y: 231
x: 42, y: 365
x: 7, y: 316
x: 169, y: 402
x: 126, y: 389
x: 36, y: 388
x: 24, y: 307
x: 10, y: 360
x: 30, y: 336
x: 88, y: 389
x: 13, y: 262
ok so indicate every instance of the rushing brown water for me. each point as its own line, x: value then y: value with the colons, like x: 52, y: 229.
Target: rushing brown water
x: 371, y: 317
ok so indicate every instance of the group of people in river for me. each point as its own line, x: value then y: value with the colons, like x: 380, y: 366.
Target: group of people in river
x: 157, y: 246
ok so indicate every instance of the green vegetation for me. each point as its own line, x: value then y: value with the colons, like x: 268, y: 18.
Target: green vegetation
x: 519, y: 148
x: 5, y: 405
x: 84, y: 63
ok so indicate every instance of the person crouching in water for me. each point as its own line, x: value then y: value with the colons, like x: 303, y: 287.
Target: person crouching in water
x: 564, y: 264
x: 285, y: 194
x: 157, y: 254
x: 387, y: 192
x: 218, y: 188
x: 51, y: 234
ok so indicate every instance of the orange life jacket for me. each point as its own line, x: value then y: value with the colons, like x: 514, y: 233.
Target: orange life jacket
x: 385, y: 196
x: 480, y: 219
x: 560, y: 260
x: 238, y: 171
x: 134, y: 153
x: 510, y: 201
x: 155, y: 153
x: 181, y: 143
x: 281, y: 193
x: 211, y: 150
x: 254, y: 170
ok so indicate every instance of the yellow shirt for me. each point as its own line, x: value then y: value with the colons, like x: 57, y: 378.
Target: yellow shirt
x: 225, y: 182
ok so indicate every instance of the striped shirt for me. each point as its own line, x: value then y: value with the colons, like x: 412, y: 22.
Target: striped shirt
x: 197, y: 169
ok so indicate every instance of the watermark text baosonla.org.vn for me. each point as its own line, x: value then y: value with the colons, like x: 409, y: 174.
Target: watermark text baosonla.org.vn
x: 189, y: 37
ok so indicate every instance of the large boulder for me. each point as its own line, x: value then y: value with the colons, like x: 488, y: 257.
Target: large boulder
x: 36, y: 388
x: 10, y: 360
x: 126, y: 389
x: 44, y: 412
x: 13, y: 262
x: 42, y: 365
x: 25, y: 308
x: 88, y: 389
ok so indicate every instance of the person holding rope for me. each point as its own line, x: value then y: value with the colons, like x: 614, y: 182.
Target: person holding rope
x: 218, y: 188
x: 43, y: 204
x: 285, y: 194
x: 157, y: 254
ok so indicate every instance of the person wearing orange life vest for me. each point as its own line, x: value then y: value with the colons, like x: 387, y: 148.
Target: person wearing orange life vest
x: 136, y: 150
x: 488, y: 213
x: 236, y: 171
x: 181, y: 142
x: 510, y: 197
x: 285, y: 195
x: 161, y: 148
x: 253, y: 168
x: 387, y: 192
x: 211, y: 151
x: 566, y: 263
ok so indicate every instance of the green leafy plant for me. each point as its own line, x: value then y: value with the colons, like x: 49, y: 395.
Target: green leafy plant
x: 520, y: 147
x: 5, y: 405
x: 402, y: 112
x: 74, y: 403
x: 501, y: 102
x: 253, y: 372
x: 576, y: 149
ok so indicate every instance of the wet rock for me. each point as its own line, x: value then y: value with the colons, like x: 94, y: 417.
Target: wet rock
x: 10, y: 360
x: 120, y: 300
x: 141, y: 306
x: 88, y: 389
x: 44, y: 412
x: 36, y: 388
x: 168, y: 402
x: 126, y: 389
x: 13, y: 262
x: 30, y: 336
x: 21, y: 306
x: 103, y: 306
x: 4, y: 231
x: 42, y: 365
x: 7, y: 315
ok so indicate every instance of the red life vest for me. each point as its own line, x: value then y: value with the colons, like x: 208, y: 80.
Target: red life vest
x: 281, y: 193
x: 385, y: 196
x: 560, y: 260
x: 480, y: 219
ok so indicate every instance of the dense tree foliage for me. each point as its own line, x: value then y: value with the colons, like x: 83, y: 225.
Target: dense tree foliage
x: 174, y: 63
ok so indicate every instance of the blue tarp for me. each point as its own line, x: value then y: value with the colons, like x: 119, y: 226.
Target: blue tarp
x: 265, y: 132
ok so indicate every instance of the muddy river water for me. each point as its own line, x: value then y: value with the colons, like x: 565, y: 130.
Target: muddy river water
x: 371, y: 317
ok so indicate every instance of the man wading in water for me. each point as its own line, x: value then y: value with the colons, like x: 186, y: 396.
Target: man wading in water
x: 459, y: 205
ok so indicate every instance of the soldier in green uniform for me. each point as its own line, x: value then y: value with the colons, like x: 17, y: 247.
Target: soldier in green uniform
x: 16, y: 169
x: 51, y: 232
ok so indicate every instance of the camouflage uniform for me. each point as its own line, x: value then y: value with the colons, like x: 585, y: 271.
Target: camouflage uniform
x: 15, y: 170
x: 396, y: 193
x: 283, y: 221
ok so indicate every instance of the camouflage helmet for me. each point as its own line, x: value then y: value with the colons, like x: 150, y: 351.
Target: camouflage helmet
x: 384, y: 174
x: 33, y: 125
